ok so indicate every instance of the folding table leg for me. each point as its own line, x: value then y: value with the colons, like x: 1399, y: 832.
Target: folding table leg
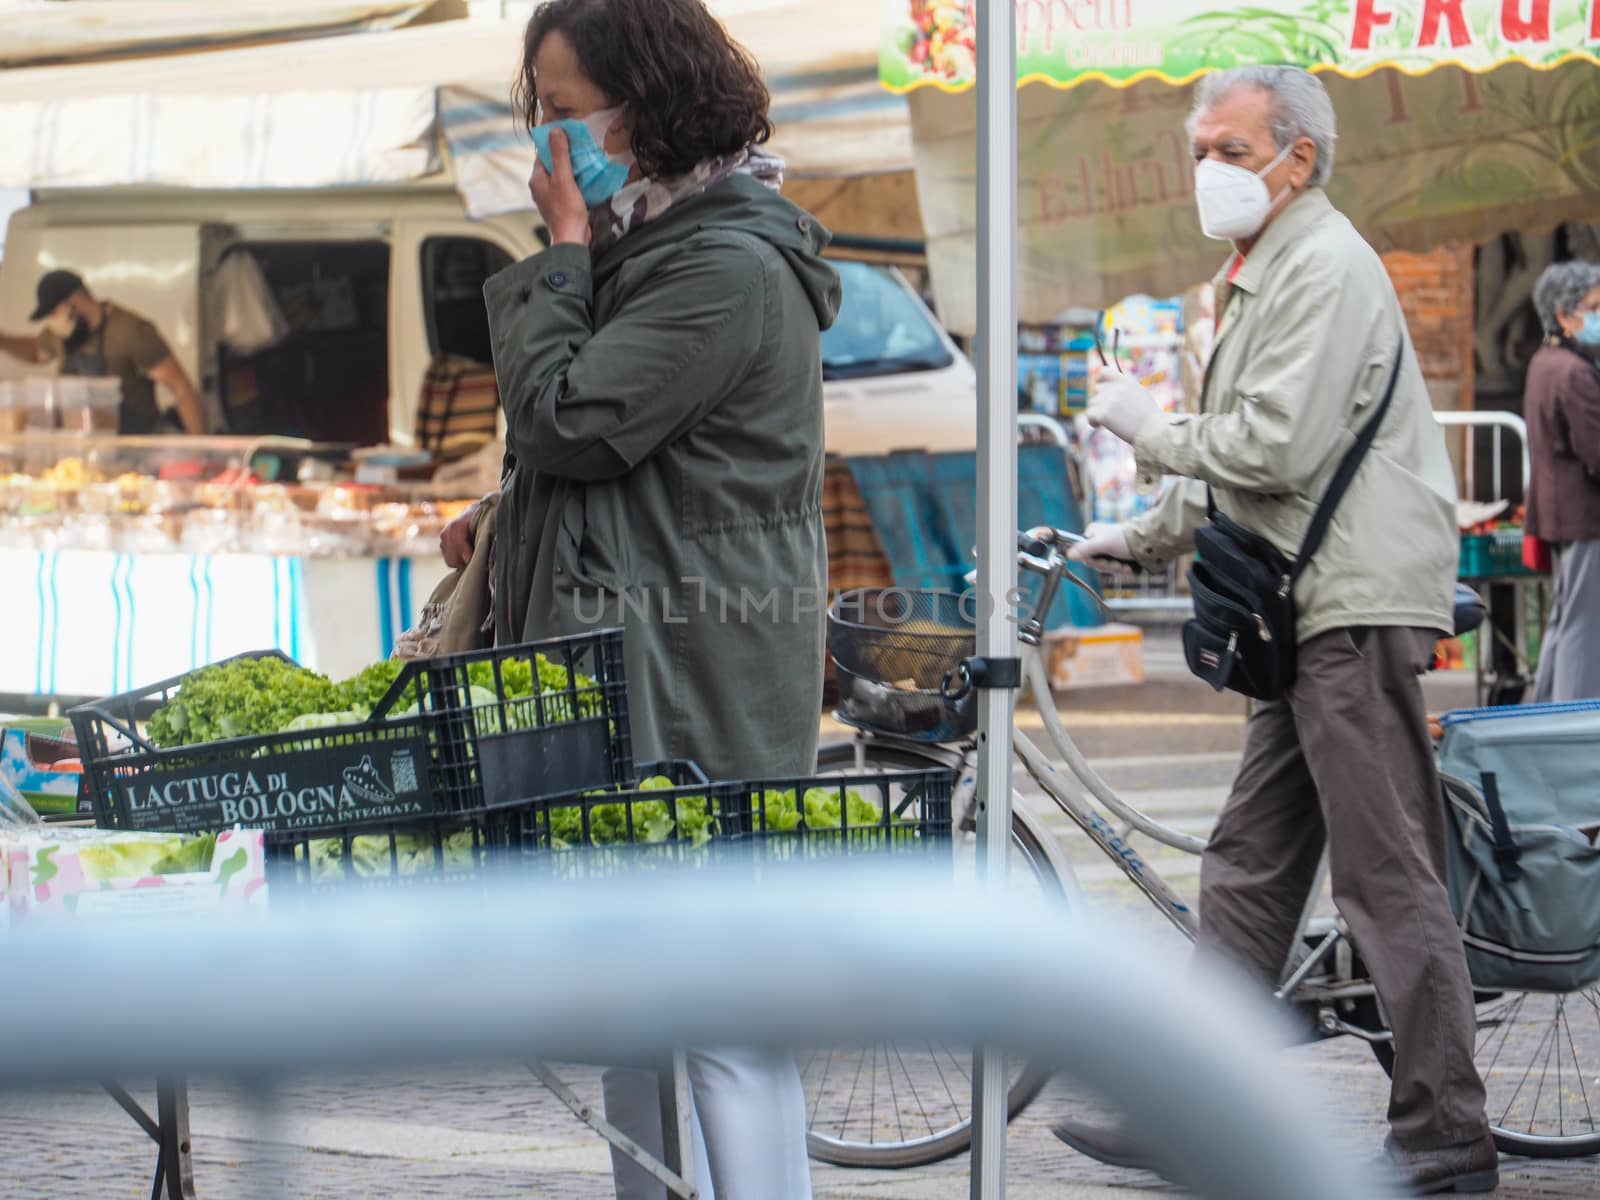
x: 172, y: 1118
x: 676, y: 1183
x: 677, y: 1136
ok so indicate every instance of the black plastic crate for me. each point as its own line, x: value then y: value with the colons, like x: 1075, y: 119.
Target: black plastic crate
x: 460, y: 751
x: 564, y: 738
x: 815, y: 817
x: 600, y: 832
x: 452, y: 848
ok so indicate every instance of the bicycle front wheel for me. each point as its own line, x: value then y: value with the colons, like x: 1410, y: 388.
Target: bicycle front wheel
x: 909, y: 1103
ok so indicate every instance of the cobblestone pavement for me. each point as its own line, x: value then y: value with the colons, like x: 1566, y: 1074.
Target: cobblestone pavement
x: 491, y: 1131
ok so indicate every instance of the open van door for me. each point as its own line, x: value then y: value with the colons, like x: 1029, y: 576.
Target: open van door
x: 327, y: 378
x: 436, y: 298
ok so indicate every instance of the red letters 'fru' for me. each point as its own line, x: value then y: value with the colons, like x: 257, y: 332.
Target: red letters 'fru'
x: 1448, y: 12
x: 1534, y: 27
x: 1368, y: 18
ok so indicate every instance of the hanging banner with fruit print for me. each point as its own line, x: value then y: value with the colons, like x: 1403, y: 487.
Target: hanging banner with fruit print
x: 930, y: 43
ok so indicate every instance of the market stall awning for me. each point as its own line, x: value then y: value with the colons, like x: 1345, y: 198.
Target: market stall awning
x: 381, y: 107
x: 1438, y: 141
x: 41, y: 31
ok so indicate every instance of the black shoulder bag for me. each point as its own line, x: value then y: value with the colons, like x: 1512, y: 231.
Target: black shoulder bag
x: 1242, y: 635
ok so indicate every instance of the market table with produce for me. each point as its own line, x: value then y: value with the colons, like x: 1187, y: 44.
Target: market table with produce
x: 256, y: 780
x: 131, y: 559
x: 1494, y: 556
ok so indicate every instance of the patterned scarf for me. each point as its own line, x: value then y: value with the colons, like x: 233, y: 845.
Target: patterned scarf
x: 643, y: 201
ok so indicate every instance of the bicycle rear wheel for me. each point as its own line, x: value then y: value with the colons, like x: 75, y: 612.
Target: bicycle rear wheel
x: 1539, y: 1056
x: 905, y: 1104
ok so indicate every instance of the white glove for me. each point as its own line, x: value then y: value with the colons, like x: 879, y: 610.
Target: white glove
x: 1120, y: 405
x: 1105, y: 548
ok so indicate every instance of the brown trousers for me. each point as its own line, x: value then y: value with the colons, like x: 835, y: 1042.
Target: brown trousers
x: 1345, y: 760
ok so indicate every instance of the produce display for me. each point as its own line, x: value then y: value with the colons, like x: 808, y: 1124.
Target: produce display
x: 102, y: 494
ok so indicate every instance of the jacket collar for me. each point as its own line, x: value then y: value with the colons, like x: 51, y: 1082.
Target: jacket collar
x: 1304, y: 211
x: 738, y: 202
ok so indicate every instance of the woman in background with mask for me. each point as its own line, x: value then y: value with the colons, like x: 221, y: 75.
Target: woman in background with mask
x: 661, y: 372
x: 1561, y: 405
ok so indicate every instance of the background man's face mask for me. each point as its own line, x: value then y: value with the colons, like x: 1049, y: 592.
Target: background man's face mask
x: 1233, y: 201
x: 1589, y: 332
x: 600, y: 175
x: 63, y: 323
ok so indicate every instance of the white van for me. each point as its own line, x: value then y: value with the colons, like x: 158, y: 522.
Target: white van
x: 395, y: 276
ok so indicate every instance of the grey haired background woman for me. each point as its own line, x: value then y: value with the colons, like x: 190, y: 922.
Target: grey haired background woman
x: 1561, y: 405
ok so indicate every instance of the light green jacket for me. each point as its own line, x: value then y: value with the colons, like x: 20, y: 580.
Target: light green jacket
x: 1309, y: 331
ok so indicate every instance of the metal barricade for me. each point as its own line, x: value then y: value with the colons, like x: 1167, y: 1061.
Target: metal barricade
x: 1504, y: 662
x: 577, y: 973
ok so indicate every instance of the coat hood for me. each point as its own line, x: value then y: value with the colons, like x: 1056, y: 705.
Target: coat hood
x: 743, y: 203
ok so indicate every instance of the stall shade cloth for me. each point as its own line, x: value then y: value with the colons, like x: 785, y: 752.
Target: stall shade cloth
x: 380, y: 108
x: 1475, y: 129
x: 277, y: 140
x: 39, y: 31
x: 830, y: 123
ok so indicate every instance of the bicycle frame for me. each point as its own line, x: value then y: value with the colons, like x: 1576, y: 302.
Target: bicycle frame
x: 1322, y: 978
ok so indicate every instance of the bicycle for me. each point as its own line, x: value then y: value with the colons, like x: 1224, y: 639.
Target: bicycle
x: 902, y: 689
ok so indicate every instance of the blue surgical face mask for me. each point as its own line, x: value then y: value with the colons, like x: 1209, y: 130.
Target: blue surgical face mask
x: 600, y: 175
x: 1589, y: 335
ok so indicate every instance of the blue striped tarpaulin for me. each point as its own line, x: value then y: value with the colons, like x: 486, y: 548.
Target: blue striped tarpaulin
x: 924, y: 509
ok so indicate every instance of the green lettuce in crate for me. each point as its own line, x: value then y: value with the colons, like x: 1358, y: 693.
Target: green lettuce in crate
x: 779, y: 812
x: 653, y: 821
x: 370, y: 857
x: 240, y: 698
x: 251, y: 697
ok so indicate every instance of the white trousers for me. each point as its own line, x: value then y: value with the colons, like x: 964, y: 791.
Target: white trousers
x: 748, y: 1118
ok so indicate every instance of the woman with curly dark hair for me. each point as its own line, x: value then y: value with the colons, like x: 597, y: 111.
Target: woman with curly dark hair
x: 661, y: 373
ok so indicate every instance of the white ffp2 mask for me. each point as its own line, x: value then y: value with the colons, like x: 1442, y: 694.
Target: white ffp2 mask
x: 1233, y: 201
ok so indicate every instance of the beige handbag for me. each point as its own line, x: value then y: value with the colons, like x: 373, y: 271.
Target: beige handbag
x: 459, y: 615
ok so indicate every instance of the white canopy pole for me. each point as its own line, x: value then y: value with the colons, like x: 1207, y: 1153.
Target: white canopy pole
x: 997, y: 515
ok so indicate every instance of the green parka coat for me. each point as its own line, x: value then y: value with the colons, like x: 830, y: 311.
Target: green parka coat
x: 663, y: 407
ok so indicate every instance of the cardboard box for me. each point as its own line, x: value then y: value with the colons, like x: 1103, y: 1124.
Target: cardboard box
x: 60, y: 874
x: 40, y: 760
x: 1099, y: 657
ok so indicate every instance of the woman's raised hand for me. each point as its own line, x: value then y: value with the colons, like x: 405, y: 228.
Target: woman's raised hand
x: 455, y: 541
x: 557, y: 196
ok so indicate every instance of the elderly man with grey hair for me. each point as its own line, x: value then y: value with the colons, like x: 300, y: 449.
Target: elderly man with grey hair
x: 1561, y: 404
x: 1310, y: 333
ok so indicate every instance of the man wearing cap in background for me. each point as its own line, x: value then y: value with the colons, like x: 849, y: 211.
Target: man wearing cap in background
x: 96, y: 338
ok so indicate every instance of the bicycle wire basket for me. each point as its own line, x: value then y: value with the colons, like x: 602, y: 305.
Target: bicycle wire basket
x: 893, y: 649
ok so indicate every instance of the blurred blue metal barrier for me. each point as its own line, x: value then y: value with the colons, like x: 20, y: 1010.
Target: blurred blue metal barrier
x: 615, y: 969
